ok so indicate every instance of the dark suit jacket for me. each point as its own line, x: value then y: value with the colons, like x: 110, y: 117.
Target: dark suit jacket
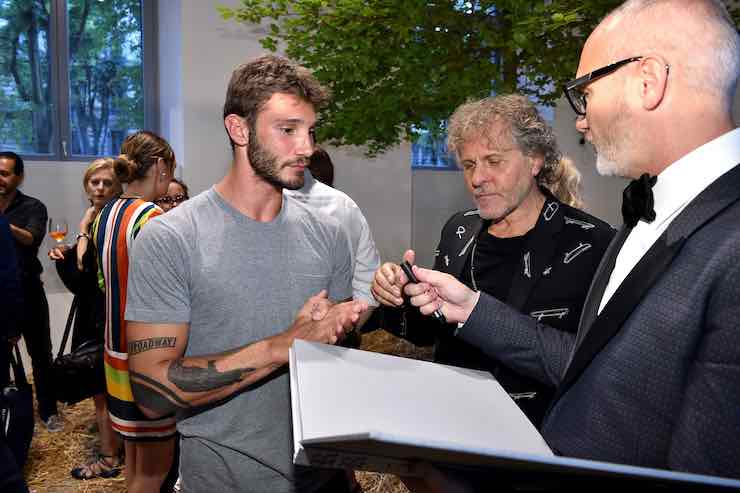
x: 655, y: 379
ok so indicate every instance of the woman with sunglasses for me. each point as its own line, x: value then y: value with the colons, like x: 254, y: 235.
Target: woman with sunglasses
x: 177, y: 193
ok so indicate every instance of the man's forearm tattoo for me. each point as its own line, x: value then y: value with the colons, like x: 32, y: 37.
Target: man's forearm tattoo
x: 153, y: 395
x: 196, y: 379
x: 142, y: 345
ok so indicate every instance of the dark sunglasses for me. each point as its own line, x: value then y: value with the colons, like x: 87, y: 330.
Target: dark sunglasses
x: 573, y: 89
x: 166, y: 199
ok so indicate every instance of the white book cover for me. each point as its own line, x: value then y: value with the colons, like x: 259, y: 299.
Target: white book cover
x: 369, y: 411
x: 340, y: 393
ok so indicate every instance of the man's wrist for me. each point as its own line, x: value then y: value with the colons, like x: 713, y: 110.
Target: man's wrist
x: 276, y: 348
x: 470, y: 306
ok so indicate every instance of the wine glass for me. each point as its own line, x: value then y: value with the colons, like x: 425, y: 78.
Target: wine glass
x: 58, y: 229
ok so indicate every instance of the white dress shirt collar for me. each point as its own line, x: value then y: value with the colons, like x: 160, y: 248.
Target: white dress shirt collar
x: 677, y: 185
x: 683, y: 180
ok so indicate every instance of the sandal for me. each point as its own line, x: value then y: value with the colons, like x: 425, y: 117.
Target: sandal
x: 106, y: 466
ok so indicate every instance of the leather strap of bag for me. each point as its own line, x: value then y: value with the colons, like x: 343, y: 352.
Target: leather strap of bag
x: 19, y: 372
x: 68, y: 328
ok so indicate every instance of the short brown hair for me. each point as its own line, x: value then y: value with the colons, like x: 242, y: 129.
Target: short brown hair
x: 252, y: 84
x: 139, y: 152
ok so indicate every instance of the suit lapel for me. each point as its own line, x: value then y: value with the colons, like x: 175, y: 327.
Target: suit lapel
x: 714, y: 199
x: 620, y: 306
x: 600, y: 280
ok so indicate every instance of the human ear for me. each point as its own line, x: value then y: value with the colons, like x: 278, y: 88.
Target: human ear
x: 237, y: 129
x: 162, y: 169
x: 537, y: 162
x: 653, y: 77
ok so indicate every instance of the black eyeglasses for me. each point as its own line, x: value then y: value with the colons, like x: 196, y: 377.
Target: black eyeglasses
x: 166, y: 199
x: 576, y: 96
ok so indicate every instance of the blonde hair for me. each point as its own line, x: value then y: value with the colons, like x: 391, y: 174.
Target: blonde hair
x: 139, y: 152
x: 101, y: 164
x: 566, y: 184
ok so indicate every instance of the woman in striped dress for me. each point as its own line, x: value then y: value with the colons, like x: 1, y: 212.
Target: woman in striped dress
x: 146, y: 165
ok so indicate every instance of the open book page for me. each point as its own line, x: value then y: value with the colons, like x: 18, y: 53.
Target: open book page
x: 341, y: 393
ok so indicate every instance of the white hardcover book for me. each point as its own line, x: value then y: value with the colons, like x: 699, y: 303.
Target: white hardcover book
x: 367, y: 399
x: 369, y: 411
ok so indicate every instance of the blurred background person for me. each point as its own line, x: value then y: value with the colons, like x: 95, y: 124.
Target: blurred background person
x: 11, y: 304
x: 11, y: 301
x: 27, y: 217
x: 177, y: 193
x: 78, y: 268
x: 146, y: 165
x: 317, y: 192
x: 322, y: 167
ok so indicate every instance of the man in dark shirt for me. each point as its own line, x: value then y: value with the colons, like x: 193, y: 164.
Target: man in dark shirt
x: 11, y: 301
x: 27, y: 217
x: 11, y: 478
x: 523, y: 244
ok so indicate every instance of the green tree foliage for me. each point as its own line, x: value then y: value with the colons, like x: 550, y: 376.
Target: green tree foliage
x: 396, y: 66
x: 25, y: 75
x: 104, y: 73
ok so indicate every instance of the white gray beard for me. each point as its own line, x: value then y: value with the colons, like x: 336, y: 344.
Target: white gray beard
x: 607, y: 164
x: 606, y: 167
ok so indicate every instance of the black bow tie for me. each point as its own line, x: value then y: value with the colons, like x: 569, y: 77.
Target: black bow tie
x: 637, y: 200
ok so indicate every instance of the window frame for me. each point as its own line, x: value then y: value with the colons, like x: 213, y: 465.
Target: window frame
x: 58, y: 45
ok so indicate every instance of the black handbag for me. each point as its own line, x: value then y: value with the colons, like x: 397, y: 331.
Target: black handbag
x: 16, y: 410
x: 78, y: 374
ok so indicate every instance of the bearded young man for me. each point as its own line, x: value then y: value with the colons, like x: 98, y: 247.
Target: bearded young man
x: 221, y: 286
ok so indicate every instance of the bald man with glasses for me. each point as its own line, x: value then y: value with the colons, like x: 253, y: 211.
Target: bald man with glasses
x: 652, y: 377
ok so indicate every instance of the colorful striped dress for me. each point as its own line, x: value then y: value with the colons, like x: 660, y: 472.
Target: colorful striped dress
x: 114, y: 231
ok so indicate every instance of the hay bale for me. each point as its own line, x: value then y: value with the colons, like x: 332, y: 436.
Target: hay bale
x: 54, y: 455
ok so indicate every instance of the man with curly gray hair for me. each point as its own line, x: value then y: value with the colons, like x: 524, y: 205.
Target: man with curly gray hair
x: 530, y: 132
x: 522, y: 245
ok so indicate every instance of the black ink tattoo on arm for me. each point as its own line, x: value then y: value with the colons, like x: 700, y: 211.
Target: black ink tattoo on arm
x: 196, y: 379
x: 153, y: 395
x: 143, y: 345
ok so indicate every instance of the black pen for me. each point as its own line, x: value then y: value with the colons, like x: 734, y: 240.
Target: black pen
x: 412, y: 278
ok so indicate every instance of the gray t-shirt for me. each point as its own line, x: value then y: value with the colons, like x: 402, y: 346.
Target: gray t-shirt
x: 236, y: 281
